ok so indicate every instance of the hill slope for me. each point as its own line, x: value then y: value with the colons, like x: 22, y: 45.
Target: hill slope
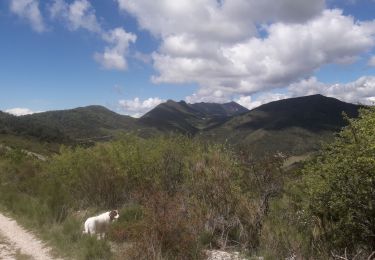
x: 293, y: 126
x: 20, y: 126
x: 219, y: 110
x: 83, y: 122
x: 82, y: 125
x: 189, y: 118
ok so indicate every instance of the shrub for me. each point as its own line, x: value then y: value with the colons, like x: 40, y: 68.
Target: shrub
x: 167, y: 230
x: 93, y: 249
x: 339, y: 191
x: 176, y: 195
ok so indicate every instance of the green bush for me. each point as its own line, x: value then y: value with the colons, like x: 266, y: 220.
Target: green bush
x: 176, y: 195
x: 338, y: 204
x: 93, y: 249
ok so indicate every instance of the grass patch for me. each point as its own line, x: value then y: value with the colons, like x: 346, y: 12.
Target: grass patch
x: 20, y: 256
x: 65, y: 238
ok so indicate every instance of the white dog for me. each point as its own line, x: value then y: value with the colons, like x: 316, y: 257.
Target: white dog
x: 99, y: 224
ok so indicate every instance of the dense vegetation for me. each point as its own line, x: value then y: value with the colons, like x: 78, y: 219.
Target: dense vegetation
x: 84, y: 122
x: 339, y: 185
x: 176, y: 195
x: 42, y: 131
x: 189, y: 119
x: 179, y: 196
x: 295, y: 126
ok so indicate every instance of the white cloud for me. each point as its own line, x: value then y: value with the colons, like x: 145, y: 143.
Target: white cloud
x: 360, y: 91
x: 77, y: 15
x: 114, y: 55
x: 371, y: 61
x: 220, y: 48
x: 288, y: 53
x: 80, y: 14
x: 250, y: 103
x: 216, y: 20
x: 137, y: 107
x: 29, y: 10
x: 217, y: 95
x: 143, y: 57
x: 20, y: 111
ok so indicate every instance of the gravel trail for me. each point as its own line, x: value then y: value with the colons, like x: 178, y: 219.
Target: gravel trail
x: 17, y: 243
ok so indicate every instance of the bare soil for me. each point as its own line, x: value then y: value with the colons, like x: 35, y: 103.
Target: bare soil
x: 17, y: 243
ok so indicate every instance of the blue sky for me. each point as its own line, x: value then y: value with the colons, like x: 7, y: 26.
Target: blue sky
x: 130, y: 55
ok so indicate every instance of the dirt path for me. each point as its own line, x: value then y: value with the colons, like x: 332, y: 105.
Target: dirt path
x: 17, y: 243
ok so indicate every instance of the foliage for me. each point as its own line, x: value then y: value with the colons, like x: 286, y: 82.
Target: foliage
x: 27, y: 194
x: 189, y: 119
x: 176, y: 195
x: 293, y: 126
x: 338, y: 204
x: 24, y: 127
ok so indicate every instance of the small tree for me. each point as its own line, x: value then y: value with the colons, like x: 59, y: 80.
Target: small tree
x: 339, y: 190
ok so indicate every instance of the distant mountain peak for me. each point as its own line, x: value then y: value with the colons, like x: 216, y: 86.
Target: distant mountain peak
x: 316, y: 101
x: 234, y: 107
x: 190, y: 118
x: 232, y: 102
x: 294, y: 125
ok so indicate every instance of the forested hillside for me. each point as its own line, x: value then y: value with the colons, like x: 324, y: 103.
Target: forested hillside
x: 178, y: 197
x: 295, y: 126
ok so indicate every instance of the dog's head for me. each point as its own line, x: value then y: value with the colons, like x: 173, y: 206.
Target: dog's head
x: 113, y: 214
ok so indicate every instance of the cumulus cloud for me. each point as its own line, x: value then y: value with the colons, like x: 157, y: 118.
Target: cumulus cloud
x: 114, y: 55
x: 360, y: 91
x: 216, y: 20
x: 80, y: 14
x: 371, y: 61
x: 137, y: 107
x: 77, y: 15
x: 218, y: 95
x: 224, y: 50
x: 29, y: 10
x: 287, y: 54
x: 18, y: 111
x: 142, y: 57
x: 264, y: 98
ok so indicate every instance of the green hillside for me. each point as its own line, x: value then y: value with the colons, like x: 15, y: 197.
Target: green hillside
x: 27, y: 127
x: 83, y: 125
x: 262, y: 205
x: 172, y: 116
x: 84, y: 122
x: 189, y: 119
x: 219, y: 110
x: 293, y: 126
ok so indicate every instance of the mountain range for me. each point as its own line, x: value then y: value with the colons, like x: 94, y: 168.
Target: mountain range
x: 190, y: 118
x: 294, y: 126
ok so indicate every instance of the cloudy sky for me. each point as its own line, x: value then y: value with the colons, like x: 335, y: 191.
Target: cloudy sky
x: 130, y: 55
